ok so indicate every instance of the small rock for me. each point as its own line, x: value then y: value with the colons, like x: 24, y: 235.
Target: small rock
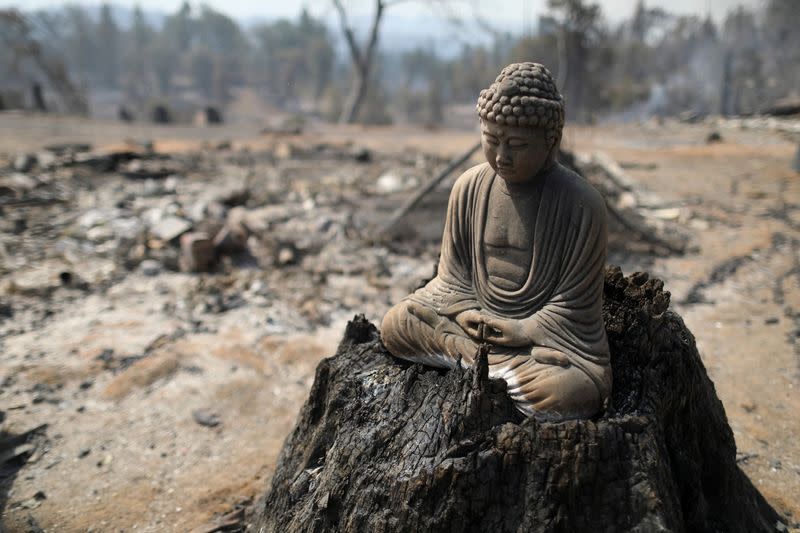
x: 97, y: 162
x: 22, y: 182
x: 691, y: 117
x: 627, y: 200
x: 33, y: 502
x: 20, y: 225
x: 197, y: 252
x: 67, y: 148
x: 99, y: 234
x: 699, y: 224
x: 771, y: 321
x: 714, y: 137
x: 362, y: 155
x: 208, y: 116
x: 389, y: 183
x: 667, y: 213
x: 46, y: 159
x: 84, y: 452
x: 170, y: 228
x: 17, y: 451
x: 65, y: 277
x: 205, y: 418
x: 152, y: 188
x: 232, y: 238
x: 106, y: 356
x: 150, y: 267
x: 286, y: 256
x: 230, y: 241
x: 285, y: 150
x: 124, y: 114
x: 170, y: 184
x: 160, y: 114
x: 95, y: 217
x: 24, y: 162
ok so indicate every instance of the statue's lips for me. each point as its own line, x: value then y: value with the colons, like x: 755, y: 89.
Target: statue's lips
x: 505, y: 171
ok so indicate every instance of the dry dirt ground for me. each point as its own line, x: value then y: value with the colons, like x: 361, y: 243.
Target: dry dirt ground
x: 121, y: 365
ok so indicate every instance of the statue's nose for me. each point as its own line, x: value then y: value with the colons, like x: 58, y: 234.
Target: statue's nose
x: 502, y: 158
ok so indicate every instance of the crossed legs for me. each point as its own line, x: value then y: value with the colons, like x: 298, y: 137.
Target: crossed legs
x: 546, y: 391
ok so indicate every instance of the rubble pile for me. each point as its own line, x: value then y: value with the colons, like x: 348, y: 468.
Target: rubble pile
x: 291, y: 224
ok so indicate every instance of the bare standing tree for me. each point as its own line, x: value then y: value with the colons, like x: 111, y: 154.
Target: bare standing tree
x: 580, y: 30
x: 361, y: 56
x: 16, y: 40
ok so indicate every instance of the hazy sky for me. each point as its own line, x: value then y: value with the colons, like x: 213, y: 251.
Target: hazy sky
x: 519, y: 13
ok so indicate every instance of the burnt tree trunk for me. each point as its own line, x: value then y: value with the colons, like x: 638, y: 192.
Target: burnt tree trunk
x: 383, y: 445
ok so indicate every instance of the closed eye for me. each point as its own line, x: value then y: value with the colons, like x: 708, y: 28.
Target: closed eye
x: 517, y: 143
x: 491, y: 139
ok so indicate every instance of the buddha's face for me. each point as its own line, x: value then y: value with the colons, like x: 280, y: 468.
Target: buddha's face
x: 516, y: 153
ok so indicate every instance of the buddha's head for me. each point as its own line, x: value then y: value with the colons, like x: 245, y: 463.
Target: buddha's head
x: 522, y: 115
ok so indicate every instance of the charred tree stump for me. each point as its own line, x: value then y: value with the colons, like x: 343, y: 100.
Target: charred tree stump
x: 383, y: 445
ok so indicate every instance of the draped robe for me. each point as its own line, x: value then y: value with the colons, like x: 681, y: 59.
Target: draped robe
x: 559, y: 303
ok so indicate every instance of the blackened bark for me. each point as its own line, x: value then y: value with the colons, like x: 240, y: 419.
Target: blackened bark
x: 382, y: 445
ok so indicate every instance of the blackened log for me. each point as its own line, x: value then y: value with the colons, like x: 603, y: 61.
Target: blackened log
x: 382, y: 445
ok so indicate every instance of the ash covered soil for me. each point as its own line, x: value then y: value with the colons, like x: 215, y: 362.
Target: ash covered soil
x: 139, y: 397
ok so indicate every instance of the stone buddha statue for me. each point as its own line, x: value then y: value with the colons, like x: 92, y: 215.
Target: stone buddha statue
x: 521, y: 265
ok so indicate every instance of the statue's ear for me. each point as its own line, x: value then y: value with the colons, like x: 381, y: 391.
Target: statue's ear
x: 555, y: 148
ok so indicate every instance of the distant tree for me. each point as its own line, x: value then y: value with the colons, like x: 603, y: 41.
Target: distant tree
x: 541, y: 47
x: 293, y: 59
x: 19, y: 45
x: 179, y: 29
x: 688, y: 64
x: 743, y: 81
x: 637, y: 52
x: 164, y: 61
x: 223, y: 74
x: 472, y: 71
x: 202, y: 69
x: 219, y: 33
x: 583, y: 54
x: 421, y: 85
x: 140, y: 33
x: 108, y: 47
x: 320, y: 58
x: 319, y: 52
x: 434, y: 103
x: 80, y: 45
x: 137, y: 56
x: 782, y: 29
x: 419, y: 65
x: 361, y: 56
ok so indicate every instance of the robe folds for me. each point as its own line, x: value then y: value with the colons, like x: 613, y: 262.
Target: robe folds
x: 560, y: 302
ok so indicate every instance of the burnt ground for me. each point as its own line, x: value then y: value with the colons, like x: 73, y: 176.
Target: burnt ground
x: 166, y: 395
